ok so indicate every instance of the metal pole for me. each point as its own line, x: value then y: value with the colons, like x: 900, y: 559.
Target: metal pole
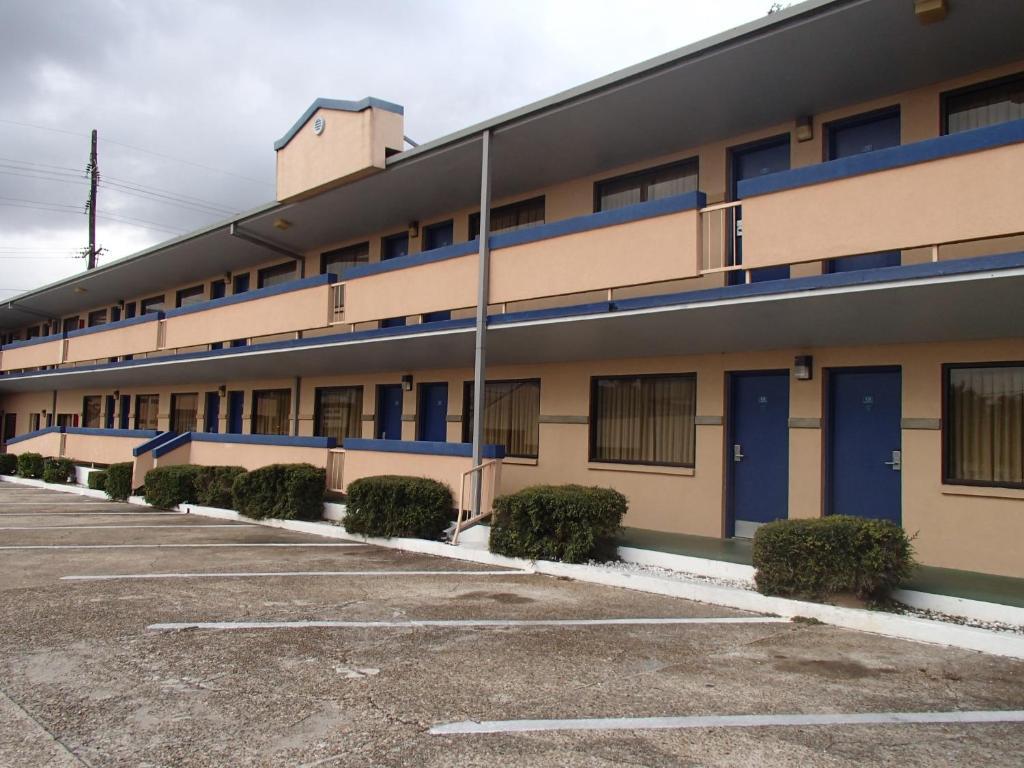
x: 94, y: 173
x: 480, y: 363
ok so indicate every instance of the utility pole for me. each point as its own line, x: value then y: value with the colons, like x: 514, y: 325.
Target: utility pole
x: 94, y: 175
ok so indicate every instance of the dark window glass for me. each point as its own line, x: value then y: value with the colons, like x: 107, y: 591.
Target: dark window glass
x: 240, y: 283
x: 280, y: 273
x: 218, y: 289
x: 337, y: 261
x: 863, y: 133
x: 653, y: 184
x: 32, y: 332
x: 183, y: 412
x: 33, y: 422
x: 67, y: 419
x: 91, y: 407
x: 69, y: 324
x: 146, y: 408
x: 511, y: 416
x: 998, y: 101
x: 644, y: 419
x: 339, y: 412
x: 522, y: 215
x: 985, y: 425
x: 152, y: 304
x: 270, y: 411
x: 438, y: 235
x: 394, y: 246
x: 99, y: 317
x: 187, y: 296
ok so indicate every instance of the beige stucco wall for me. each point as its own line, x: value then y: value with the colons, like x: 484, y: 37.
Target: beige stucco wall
x: 100, y: 449
x: 31, y: 356
x: 128, y: 340
x: 47, y: 444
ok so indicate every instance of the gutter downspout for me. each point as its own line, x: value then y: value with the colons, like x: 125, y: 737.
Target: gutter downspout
x: 236, y: 231
x: 480, y: 362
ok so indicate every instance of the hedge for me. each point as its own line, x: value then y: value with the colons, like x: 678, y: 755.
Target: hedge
x: 571, y: 523
x: 57, y: 470
x: 167, y: 487
x: 214, y: 486
x: 30, y: 465
x: 824, y: 556
x: 8, y: 463
x: 97, y: 480
x: 288, y: 491
x: 119, y: 480
x: 395, y: 505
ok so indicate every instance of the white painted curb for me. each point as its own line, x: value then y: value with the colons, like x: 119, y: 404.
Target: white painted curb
x: 701, y: 566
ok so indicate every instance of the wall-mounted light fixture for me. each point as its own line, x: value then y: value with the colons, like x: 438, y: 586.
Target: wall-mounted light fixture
x: 222, y: 390
x: 803, y: 367
x: 928, y: 11
x: 804, y: 128
x: 117, y: 393
x: 282, y: 224
x: 407, y: 382
x: 414, y: 229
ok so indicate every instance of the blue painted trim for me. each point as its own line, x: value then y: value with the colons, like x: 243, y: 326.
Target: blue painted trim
x: 35, y: 433
x: 156, y: 442
x: 148, y: 433
x: 280, y: 440
x: 341, y: 106
x: 169, y: 445
x: 37, y: 340
x: 259, y: 293
x: 422, y: 447
x: 415, y: 260
x: 149, y: 317
x: 884, y: 159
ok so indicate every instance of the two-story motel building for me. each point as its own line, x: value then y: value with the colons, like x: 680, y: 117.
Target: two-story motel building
x: 778, y: 273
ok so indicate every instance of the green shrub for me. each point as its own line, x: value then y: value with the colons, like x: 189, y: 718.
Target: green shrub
x: 57, y: 470
x: 119, y: 480
x: 8, y: 463
x: 30, y: 465
x: 97, y: 480
x: 393, y: 505
x: 167, y: 487
x: 288, y: 491
x: 571, y: 523
x: 824, y: 556
x: 214, y: 486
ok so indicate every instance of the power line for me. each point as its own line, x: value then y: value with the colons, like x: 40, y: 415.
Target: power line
x: 60, y: 208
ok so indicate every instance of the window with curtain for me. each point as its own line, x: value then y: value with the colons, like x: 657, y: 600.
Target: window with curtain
x: 643, y: 419
x: 271, y: 411
x: 146, y: 407
x: 651, y: 184
x: 188, y: 296
x: 977, y: 106
x: 337, y: 261
x: 338, y: 412
x: 521, y: 215
x: 152, y: 304
x: 91, y: 408
x: 276, y: 275
x: 985, y: 425
x: 511, y: 416
x: 184, y: 408
x: 99, y: 317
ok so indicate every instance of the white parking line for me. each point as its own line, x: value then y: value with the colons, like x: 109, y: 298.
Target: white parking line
x: 149, y: 546
x: 727, y: 721
x: 86, y: 512
x: 260, y: 574
x: 117, y: 526
x: 43, y: 503
x: 460, y: 623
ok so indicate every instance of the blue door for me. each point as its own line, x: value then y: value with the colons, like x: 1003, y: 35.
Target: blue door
x: 217, y: 289
x: 211, y: 422
x: 126, y: 408
x: 758, y: 456
x: 864, y: 453
x: 771, y: 156
x: 236, y: 402
x: 389, y: 412
x: 438, y: 236
x: 394, y: 247
x: 432, y: 413
x: 240, y: 284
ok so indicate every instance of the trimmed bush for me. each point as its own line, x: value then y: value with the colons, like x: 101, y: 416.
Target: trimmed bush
x: 119, y: 480
x: 214, y: 486
x: 8, y: 463
x: 97, y: 480
x: 167, y: 487
x: 829, y: 555
x: 30, y: 465
x: 287, y: 491
x: 571, y: 523
x: 394, y: 505
x: 57, y: 470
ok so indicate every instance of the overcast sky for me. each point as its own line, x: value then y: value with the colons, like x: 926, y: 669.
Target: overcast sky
x: 189, y: 96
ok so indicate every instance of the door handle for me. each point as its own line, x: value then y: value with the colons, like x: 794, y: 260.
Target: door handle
x: 897, y: 461
x: 737, y: 452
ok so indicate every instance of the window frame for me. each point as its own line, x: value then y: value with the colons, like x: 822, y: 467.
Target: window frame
x: 947, y: 421
x: 475, y: 216
x: 272, y: 270
x: 192, y: 291
x: 695, y: 160
x: 467, y: 421
x: 100, y: 315
x: 317, y: 393
x: 852, y: 121
x: 174, y: 409
x: 433, y: 227
x: 85, y: 411
x: 253, y: 407
x: 946, y: 96
x: 346, y: 248
x: 144, y: 304
x: 385, y: 239
x: 592, y: 419
x: 135, y: 414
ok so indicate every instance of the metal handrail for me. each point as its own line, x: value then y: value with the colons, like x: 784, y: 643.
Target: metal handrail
x: 459, y: 522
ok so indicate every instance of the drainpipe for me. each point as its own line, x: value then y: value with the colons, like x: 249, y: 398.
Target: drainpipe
x: 480, y: 362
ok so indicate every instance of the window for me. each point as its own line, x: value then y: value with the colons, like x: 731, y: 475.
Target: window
x: 511, y: 416
x: 152, y: 304
x: 240, y: 284
x: 858, y: 134
x: 218, y: 288
x: 187, y: 296
x: 394, y: 246
x: 91, y: 407
x: 183, y: 412
x: 985, y: 425
x: 33, y: 422
x: 270, y: 411
x: 281, y: 273
x: 337, y: 261
x: 339, y: 412
x: 67, y: 419
x: 32, y: 332
x: 146, y: 407
x: 69, y: 324
x: 99, y: 317
x: 651, y: 184
x: 643, y: 419
x: 438, y: 235
x: 522, y: 215
x: 997, y: 101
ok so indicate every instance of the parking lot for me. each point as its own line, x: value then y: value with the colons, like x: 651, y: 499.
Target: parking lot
x: 138, y: 638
